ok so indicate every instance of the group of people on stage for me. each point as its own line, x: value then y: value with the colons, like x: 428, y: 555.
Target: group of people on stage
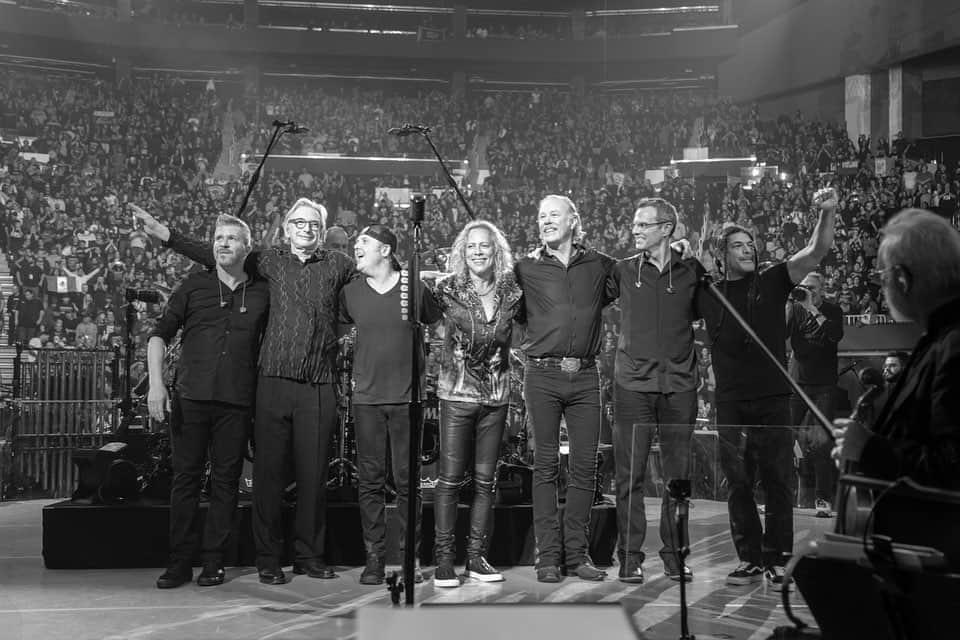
x: 260, y: 342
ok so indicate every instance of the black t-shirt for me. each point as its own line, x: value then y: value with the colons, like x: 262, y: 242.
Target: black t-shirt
x: 381, y: 357
x: 743, y: 372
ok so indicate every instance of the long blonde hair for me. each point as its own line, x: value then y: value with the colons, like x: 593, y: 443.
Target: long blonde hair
x: 502, y: 254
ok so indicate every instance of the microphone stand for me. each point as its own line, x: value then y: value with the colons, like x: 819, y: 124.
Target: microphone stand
x: 279, y: 128
x: 425, y: 132
x: 127, y: 413
x: 417, y: 205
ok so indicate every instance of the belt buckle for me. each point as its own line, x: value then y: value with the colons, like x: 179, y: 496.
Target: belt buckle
x: 570, y: 365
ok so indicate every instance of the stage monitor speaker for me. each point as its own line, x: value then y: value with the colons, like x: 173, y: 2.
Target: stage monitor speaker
x: 497, y: 622
x: 848, y: 600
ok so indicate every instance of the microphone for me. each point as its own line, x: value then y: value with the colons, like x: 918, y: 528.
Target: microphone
x: 407, y: 130
x: 849, y: 367
x: 290, y: 126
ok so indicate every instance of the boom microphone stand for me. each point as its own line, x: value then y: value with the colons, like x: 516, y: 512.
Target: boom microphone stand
x: 417, y: 207
x: 279, y: 128
x: 680, y: 492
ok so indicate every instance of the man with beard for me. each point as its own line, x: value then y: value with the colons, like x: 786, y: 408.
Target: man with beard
x: 753, y: 399
x: 377, y: 303
x: 296, y: 407
x: 222, y: 314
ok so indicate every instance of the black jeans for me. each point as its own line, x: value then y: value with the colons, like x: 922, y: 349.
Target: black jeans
x: 817, y: 468
x: 376, y: 426
x: 294, y: 421
x: 638, y: 416
x: 222, y: 430
x: 465, y: 426
x: 549, y: 395
x: 743, y: 453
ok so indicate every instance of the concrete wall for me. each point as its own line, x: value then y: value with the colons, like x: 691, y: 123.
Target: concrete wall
x: 823, y: 102
x: 822, y: 40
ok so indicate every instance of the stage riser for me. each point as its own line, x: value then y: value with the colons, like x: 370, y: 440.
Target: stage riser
x: 77, y: 536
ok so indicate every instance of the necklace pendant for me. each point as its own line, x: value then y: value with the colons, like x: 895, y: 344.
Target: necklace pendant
x: 223, y: 304
x: 243, y: 309
x: 639, y: 284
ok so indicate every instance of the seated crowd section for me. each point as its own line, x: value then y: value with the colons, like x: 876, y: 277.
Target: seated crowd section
x: 76, y: 148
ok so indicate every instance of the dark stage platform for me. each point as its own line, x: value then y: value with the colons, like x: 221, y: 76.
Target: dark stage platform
x: 78, y: 535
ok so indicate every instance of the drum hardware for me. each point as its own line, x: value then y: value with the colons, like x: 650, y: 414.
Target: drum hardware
x: 342, y: 473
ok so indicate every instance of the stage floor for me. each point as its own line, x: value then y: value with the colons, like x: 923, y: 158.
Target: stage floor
x: 125, y: 604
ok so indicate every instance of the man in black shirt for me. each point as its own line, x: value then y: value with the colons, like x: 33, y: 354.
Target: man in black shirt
x: 656, y: 380
x: 377, y: 302
x: 815, y: 328
x: 565, y: 288
x: 751, y: 393
x: 222, y: 314
x: 296, y: 408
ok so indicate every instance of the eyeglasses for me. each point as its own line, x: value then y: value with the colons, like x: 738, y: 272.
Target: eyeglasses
x: 643, y: 226
x: 300, y: 223
x: 877, y: 275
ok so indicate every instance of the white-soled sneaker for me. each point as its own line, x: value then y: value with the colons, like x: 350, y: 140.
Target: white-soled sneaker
x: 479, y: 569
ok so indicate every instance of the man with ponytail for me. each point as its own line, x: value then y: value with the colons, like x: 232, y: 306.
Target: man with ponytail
x: 753, y: 400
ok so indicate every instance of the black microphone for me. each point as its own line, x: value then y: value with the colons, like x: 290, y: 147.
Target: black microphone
x: 407, y: 130
x: 283, y: 123
x: 849, y: 367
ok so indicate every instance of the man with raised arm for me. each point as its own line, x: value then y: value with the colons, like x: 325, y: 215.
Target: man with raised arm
x: 753, y: 399
x: 296, y: 408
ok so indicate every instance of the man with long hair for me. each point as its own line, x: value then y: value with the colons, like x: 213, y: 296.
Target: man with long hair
x: 296, y: 407
x: 753, y: 400
x: 565, y: 288
x: 479, y: 299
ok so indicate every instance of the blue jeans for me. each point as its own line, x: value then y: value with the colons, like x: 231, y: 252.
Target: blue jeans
x: 639, y: 416
x: 549, y: 395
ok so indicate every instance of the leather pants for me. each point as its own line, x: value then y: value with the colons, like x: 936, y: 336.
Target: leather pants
x: 466, y: 425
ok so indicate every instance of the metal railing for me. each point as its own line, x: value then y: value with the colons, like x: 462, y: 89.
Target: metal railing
x: 63, y: 400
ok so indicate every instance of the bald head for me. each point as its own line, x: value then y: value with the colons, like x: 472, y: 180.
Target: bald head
x: 336, y: 239
x: 919, y: 263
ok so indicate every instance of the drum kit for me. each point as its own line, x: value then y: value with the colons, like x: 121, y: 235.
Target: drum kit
x: 516, y: 448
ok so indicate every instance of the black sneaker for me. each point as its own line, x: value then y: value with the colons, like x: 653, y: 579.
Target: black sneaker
x: 674, y: 575
x: 479, y: 569
x: 775, y: 577
x: 374, y: 572
x: 175, y: 576
x: 745, y: 573
x: 549, y: 574
x: 212, y: 575
x: 446, y: 576
x: 631, y: 571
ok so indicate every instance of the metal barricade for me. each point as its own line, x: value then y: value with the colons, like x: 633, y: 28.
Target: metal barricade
x: 64, y: 400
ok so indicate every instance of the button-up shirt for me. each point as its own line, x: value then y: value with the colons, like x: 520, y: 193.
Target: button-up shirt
x: 562, y: 305
x: 655, y: 352
x: 300, y: 342
x: 220, y: 342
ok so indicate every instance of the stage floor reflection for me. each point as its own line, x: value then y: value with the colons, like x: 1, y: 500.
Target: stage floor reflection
x: 125, y: 604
